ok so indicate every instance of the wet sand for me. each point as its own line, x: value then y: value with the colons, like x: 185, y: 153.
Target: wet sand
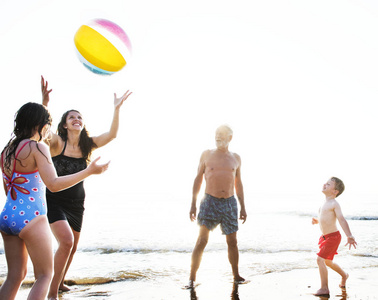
x: 291, y: 285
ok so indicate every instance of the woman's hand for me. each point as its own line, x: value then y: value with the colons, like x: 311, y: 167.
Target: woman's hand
x: 119, y: 101
x: 45, y: 92
x: 95, y: 168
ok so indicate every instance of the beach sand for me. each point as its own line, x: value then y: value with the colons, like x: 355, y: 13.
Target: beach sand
x: 291, y: 285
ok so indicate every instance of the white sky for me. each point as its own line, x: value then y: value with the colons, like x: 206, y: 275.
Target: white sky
x: 297, y: 81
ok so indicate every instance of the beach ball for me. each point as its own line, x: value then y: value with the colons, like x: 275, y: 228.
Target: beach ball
x: 102, y: 46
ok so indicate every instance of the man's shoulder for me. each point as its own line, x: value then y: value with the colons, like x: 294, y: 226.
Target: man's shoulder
x: 236, y: 156
x: 208, y: 152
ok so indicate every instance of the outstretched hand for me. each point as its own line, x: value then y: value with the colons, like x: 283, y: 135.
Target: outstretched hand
x: 352, y: 242
x: 95, y: 168
x: 45, y: 92
x: 119, y: 101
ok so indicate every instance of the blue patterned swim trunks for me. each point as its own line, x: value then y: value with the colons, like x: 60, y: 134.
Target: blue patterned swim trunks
x: 223, y: 211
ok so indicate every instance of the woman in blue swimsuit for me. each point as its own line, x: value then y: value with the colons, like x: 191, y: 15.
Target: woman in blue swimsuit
x: 26, y: 168
x: 71, y: 150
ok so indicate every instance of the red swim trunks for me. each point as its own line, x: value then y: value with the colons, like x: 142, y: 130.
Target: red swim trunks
x: 328, y: 245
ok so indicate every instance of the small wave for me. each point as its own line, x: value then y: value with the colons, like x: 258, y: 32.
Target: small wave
x: 274, y: 251
x: 365, y: 255
x: 364, y: 218
x: 112, y: 250
x: 119, y: 276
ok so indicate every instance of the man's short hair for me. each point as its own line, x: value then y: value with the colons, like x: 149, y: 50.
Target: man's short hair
x: 339, y: 185
x: 227, y: 128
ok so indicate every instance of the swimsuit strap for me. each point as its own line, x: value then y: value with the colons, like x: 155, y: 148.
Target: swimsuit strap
x: 15, y: 157
x: 22, y: 147
x: 64, y: 148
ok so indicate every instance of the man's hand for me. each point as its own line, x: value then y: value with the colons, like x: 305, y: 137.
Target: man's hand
x: 193, y: 213
x: 243, y: 215
x: 315, y: 221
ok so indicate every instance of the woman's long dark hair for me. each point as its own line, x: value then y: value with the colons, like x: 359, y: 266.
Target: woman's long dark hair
x: 86, y: 143
x: 30, y: 117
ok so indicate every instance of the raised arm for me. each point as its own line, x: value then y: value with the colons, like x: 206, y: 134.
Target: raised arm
x: 106, y: 137
x: 48, y: 173
x: 197, y: 186
x: 344, y: 225
x: 240, y: 192
x: 45, y: 92
x: 52, y: 140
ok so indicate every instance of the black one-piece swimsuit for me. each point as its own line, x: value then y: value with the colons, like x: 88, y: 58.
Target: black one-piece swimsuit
x: 69, y: 203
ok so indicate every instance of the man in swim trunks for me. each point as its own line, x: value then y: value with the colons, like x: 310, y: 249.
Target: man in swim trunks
x: 221, y: 169
x: 331, y: 238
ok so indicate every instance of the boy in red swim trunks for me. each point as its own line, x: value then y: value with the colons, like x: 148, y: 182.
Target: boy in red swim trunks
x: 331, y: 238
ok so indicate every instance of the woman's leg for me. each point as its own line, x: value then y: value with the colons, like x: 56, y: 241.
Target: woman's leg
x: 37, y: 238
x: 63, y: 234
x: 17, y: 258
x: 76, y: 236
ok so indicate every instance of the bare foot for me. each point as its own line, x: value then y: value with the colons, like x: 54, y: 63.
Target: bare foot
x: 190, y: 285
x: 52, y: 298
x: 343, y: 281
x: 238, y: 279
x: 63, y: 288
x: 322, y: 293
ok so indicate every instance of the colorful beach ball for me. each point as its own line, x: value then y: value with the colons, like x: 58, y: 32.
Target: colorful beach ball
x: 102, y: 46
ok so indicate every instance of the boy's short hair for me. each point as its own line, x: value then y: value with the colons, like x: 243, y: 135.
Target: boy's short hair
x: 339, y: 185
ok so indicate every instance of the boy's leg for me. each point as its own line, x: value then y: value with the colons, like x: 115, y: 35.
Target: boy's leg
x: 233, y: 255
x: 323, y: 277
x: 198, y: 251
x: 336, y: 268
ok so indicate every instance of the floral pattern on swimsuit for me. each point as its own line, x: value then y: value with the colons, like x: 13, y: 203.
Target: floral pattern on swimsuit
x: 26, y: 200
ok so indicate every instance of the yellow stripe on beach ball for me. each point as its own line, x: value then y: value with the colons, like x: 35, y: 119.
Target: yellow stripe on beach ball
x: 97, y: 50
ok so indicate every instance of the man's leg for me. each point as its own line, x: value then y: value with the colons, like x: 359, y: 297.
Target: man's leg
x: 198, y: 251
x: 233, y: 256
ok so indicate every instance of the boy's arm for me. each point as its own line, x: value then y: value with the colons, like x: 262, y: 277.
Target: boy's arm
x: 345, y: 226
x: 315, y: 220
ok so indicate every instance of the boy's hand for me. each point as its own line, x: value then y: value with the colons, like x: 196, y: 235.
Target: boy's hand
x: 315, y: 221
x: 351, y: 241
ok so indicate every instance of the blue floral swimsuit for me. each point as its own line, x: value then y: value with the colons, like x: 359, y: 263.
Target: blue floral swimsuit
x: 25, y: 201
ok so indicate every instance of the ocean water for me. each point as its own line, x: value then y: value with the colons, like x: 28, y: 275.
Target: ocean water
x: 149, y: 237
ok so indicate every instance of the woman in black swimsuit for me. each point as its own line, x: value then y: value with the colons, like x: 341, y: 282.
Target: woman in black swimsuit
x: 71, y: 150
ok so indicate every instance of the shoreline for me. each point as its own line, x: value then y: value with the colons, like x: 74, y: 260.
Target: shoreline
x: 289, y: 285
